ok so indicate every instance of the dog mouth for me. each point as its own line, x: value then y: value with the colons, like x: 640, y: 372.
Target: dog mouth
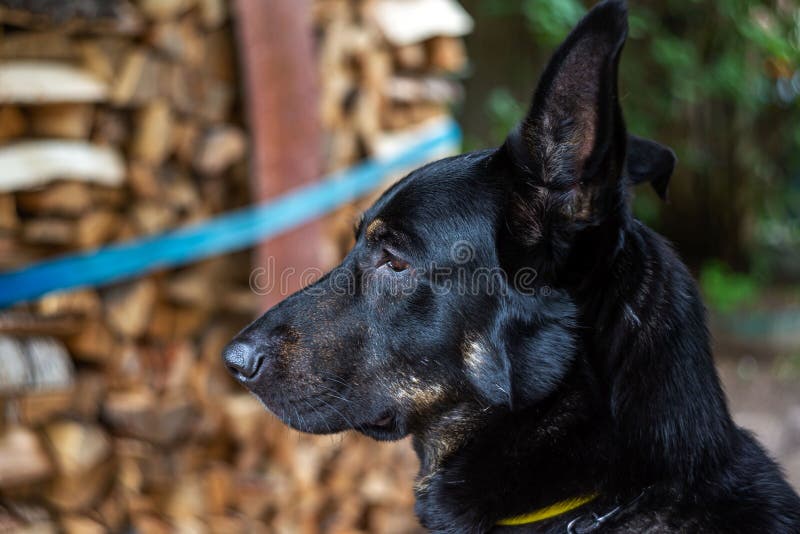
x: 384, y: 427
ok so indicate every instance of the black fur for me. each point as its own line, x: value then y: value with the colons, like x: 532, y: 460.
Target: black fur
x: 597, y: 378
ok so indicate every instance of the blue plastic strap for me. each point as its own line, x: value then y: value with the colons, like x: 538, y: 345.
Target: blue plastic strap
x: 226, y: 233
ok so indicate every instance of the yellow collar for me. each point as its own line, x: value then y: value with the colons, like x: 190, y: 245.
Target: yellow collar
x: 548, y: 512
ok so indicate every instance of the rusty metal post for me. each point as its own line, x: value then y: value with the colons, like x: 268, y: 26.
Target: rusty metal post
x: 276, y: 51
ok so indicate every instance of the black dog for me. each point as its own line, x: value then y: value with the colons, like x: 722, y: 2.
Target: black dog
x: 584, y: 402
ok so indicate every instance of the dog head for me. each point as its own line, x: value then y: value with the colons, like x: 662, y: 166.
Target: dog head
x: 415, y: 321
x: 439, y: 304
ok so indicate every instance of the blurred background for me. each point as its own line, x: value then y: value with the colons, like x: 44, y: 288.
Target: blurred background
x: 122, y: 120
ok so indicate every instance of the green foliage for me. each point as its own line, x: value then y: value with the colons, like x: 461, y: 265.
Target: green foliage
x: 717, y: 81
x: 726, y: 290
x: 505, y: 111
x: 551, y: 21
x: 647, y: 207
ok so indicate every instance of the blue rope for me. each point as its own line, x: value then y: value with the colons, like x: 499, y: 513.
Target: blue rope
x: 229, y: 232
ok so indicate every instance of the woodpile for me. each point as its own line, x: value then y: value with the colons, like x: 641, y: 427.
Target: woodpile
x: 389, y: 69
x: 121, y: 120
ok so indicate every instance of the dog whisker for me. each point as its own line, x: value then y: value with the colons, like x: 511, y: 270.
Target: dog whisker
x: 332, y: 407
x: 316, y: 412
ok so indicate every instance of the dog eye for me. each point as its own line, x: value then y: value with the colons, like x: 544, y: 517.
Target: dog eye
x: 395, y: 264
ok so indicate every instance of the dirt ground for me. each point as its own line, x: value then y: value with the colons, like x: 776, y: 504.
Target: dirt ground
x: 763, y: 388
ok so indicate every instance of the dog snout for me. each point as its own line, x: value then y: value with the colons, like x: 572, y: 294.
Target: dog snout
x: 248, y: 354
x: 244, y: 358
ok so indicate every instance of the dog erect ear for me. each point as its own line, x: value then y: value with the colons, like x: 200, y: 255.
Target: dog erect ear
x: 573, y: 138
x: 648, y: 161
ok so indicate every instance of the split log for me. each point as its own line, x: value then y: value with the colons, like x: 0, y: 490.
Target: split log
x: 341, y: 149
x: 25, y: 323
x: 196, y: 94
x: 185, y: 135
x: 152, y: 140
x: 104, y: 57
x: 95, y: 228
x: 400, y: 117
x: 178, y: 190
x: 193, y: 286
x: 41, y: 81
x: 140, y: 415
x: 82, y: 455
x: 12, y: 123
x: 219, y: 148
x: 9, y: 219
x: 33, y: 364
x: 112, y: 511
x: 140, y: 80
x: 90, y: 390
x: 213, y: 13
x: 218, y: 486
x: 39, y: 408
x: 171, y: 323
x: 80, y: 524
x: 142, y: 180
x: 447, y: 54
x: 221, y: 60
x: 429, y: 89
x: 49, y: 44
x: 68, y: 121
x: 22, y: 458
x: 94, y: 343
x: 49, y: 231
x: 152, y: 217
x: 33, y: 163
x: 411, y: 57
x: 77, y: 448
x: 180, y: 40
x: 110, y: 127
x: 88, y: 231
x: 413, y: 21
x: 61, y: 198
x: 160, y: 10
x: 150, y: 524
x: 128, y: 307
x: 84, y: 303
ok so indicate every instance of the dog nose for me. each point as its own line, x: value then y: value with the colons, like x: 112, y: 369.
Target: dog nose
x: 243, y: 359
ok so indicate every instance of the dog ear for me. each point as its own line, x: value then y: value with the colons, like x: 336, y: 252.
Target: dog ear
x: 648, y: 161
x: 541, y: 349
x: 488, y: 368
x: 572, y: 141
x: 527, y: 353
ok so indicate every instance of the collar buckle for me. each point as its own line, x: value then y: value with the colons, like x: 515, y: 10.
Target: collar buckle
x: 587, y: 523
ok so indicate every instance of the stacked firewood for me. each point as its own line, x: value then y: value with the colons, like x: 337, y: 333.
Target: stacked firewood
x: 390, y: 70
x: 122, y: 120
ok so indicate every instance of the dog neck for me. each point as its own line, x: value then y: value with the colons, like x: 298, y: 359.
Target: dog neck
x: 481, y: 466
x: 634, y: 339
